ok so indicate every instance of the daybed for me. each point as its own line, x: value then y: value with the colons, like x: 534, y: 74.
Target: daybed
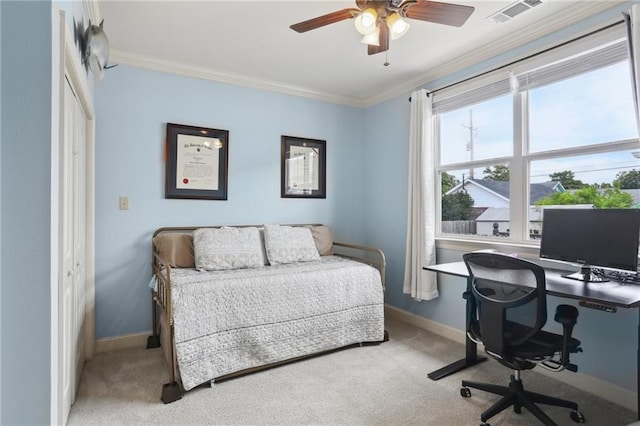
x: 233, y: 300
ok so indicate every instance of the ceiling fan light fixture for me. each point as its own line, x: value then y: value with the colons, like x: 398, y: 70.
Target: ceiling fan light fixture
x: 384, y: 20
x: 397, y: 26
x: 366, y: 21
x: 372, y: 39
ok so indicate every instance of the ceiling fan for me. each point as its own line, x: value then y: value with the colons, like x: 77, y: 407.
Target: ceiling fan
x: 380, y: 20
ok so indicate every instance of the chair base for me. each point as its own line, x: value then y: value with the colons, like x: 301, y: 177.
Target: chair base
x: 515, y: 396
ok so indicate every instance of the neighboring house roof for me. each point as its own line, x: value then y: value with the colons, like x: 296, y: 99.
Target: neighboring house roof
x: 553, y: 184
x: 494, y: 214
x: 501, y: 188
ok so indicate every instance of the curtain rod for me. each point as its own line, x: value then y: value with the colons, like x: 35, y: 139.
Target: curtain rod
x: 533, y: 55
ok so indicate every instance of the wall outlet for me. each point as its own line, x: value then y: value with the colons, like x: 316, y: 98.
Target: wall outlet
x: 124, y: 203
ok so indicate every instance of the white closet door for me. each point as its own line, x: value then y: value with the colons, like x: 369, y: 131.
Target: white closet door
x: 73, y: 281
x: 66, y: 296
x: 79, y: 237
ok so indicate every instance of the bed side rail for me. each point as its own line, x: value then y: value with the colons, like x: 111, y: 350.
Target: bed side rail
x: 162, y: 300
x: 365, y: 254
x: 162, y: 296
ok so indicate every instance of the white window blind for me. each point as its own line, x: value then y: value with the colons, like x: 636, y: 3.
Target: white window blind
x: 498, y: 83
x: 473, y: 96
x: 574, y: 66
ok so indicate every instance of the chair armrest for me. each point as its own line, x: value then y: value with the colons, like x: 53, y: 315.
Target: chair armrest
x: 472, y: 329
x: 567, y: 316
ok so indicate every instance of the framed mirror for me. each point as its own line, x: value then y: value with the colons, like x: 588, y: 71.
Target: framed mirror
x: 303, y: 168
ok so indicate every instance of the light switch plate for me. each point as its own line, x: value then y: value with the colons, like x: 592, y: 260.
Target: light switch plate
x: 124, y: 203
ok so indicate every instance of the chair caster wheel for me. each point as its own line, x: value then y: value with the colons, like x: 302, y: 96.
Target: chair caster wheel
x: 484, y: 424
x: 577, y: 417
x: 465, y: 392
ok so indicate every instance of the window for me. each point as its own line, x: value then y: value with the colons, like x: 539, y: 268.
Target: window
x: 556, y: 130
x: 592, y: 108
x: 460, y: 130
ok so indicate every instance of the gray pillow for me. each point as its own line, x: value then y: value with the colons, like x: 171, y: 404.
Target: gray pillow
x: 217, y: 249
x: 289, y: 244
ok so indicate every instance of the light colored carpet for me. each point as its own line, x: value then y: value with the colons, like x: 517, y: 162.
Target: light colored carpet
x: 375, y: 385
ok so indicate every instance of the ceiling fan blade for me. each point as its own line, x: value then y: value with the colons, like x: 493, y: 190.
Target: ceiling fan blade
x: 323, y: 20
x: 432, y: 11
x: 383, y: 40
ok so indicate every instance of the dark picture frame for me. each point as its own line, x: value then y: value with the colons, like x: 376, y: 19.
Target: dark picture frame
x: 197, y: 162
x: 303, y: 168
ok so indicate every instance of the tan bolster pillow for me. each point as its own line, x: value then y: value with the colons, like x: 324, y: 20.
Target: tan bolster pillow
x: 176, y: 249
x: 323, y: 239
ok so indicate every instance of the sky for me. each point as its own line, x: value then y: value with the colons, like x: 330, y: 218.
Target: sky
x: 591, y: 108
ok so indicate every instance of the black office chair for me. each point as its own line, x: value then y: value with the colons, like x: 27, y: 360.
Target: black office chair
x: 508, y: 309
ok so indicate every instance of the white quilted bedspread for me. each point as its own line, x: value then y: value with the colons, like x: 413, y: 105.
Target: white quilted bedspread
x: 227, y: 321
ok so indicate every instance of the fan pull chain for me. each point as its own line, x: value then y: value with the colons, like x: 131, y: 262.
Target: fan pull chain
x: 386, y: 59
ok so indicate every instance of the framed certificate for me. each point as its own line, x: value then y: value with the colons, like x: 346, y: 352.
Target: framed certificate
x: 303, y: 168
x: 197, y: 161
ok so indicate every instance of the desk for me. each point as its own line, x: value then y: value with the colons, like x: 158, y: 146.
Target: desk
x: 611, y: 294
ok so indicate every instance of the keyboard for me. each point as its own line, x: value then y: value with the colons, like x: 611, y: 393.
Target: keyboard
x: 624, y: 277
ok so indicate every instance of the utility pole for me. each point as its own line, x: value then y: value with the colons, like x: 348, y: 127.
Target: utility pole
x: 472, y: 131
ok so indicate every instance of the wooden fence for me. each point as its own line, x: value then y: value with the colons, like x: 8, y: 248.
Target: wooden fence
x: 459, y: 227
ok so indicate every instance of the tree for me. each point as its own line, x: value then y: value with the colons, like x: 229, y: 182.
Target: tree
x: 603, y: 185
x: 448, y: 182
x: 609, y: 198
x: 499, y: 173
x: 628, y: 179
x: 457, y: 206
x: 567, y: 179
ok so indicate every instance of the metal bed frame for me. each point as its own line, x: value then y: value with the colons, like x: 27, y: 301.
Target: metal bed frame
x: 162, y: 306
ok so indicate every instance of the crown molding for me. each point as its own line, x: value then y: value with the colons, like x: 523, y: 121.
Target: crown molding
x: 162, y: 65
x: 570, y: 15
x: 92, y: 10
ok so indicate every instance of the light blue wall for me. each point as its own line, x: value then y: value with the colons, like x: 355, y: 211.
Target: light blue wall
x: 386, y: 167
x: 132, y: 108
x: 0, y: 210
x: 25, y: 110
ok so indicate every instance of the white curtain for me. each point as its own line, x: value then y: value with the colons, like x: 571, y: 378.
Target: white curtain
x: 633, y: 35
x: 421, y: 247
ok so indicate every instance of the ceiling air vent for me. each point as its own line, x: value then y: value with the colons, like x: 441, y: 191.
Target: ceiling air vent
x: 514, y: 10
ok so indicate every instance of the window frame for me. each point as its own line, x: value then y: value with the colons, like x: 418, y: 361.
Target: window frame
x: 519, y: 162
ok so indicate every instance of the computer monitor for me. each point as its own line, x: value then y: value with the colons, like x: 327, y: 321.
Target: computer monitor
x: 606, y: 238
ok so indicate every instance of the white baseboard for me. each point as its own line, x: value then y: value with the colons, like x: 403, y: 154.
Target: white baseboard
x: 610, y: 392
x: 438, y: 328
x: 127, y: 341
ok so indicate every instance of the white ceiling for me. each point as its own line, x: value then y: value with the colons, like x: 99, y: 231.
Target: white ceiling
x: 250, y: 43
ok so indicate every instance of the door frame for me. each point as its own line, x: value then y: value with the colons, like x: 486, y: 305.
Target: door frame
x: 67, y: 66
